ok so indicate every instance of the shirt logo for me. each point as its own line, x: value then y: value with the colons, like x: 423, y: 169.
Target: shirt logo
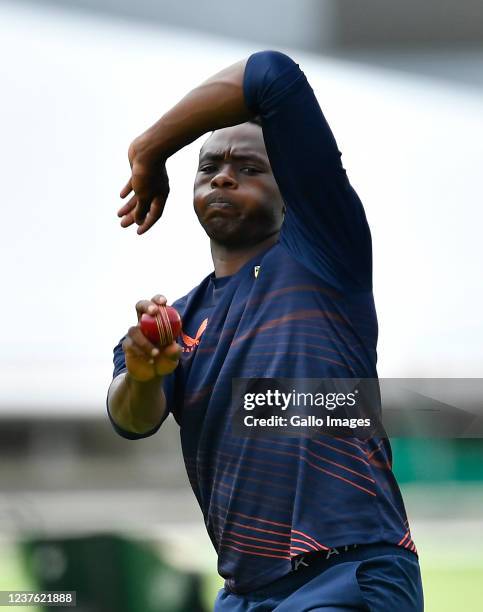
x: 307, y: 559
x: 297, y: 562
x: 191, y: 343
x: 256, y: 270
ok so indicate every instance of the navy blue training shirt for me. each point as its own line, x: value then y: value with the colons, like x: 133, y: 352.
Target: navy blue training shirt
x: 309, y: 313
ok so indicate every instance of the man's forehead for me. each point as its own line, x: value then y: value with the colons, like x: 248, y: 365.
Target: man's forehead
x: 230, y: 142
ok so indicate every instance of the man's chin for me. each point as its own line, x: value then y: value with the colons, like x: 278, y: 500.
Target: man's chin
x: 228, y: 237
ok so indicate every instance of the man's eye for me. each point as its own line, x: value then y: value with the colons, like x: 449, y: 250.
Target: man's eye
x: 250, y: 169
x: 207, y: 168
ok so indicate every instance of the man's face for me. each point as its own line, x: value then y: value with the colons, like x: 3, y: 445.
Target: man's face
x: 236, y: 198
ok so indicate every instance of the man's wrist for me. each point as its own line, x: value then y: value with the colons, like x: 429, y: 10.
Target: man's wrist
x: 149, y: 147
x: 146, y: 402
x: 132, y: 381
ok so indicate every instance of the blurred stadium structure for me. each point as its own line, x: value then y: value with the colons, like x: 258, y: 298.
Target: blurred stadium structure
x: 314, y: 25
x: 401, y: 85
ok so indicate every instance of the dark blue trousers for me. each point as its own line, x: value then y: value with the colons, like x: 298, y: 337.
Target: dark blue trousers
x: 375, y: 578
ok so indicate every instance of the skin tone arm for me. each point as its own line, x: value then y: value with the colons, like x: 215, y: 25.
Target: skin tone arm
x: 136, y: 406
x: 218, y: 102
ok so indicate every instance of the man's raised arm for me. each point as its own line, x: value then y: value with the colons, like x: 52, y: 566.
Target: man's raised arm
x: 325, y: 224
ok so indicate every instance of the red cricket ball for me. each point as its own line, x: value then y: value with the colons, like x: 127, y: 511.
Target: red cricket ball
x: 162, y: 329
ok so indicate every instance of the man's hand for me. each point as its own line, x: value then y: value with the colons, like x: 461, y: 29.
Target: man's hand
x: 150, y: 184
x: 144, y: 361
x: 218, y: 102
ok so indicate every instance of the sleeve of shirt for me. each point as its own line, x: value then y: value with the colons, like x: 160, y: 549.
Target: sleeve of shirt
x: 119, y: 367
x: 325, y: 226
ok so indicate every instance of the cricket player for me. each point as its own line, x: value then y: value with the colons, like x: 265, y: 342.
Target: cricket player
x: 298, y: 523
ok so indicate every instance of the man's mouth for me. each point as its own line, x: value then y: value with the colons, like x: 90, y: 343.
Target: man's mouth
x: 219, y: 201
x: 220, y: 210
x: 220, y: 205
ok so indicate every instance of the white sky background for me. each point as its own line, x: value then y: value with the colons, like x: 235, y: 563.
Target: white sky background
x: 76, y: 91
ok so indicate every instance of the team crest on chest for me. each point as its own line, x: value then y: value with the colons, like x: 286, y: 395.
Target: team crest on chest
x: 189, y: 343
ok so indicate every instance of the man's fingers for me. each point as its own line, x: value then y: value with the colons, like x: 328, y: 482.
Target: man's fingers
x: 141, y: 210
x: 129, y: 346
x: 146, y: 306
x: 142, y: 343
x: 128, y: 207
x: 127, y: 220
x: 146, y: 224
x: 126, y: 190
x: 155, y: 212
x: 172, y: 351
x: 131, y: 349
x: 159, y: 299
x: 141, y: 347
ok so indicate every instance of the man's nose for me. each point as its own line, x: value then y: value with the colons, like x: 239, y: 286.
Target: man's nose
x: 223, y: 178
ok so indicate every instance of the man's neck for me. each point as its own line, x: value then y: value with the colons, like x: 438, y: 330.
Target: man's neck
x: 228, y: 261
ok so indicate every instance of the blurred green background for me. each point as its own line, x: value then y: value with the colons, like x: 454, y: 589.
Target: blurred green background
x: 442, y: 484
